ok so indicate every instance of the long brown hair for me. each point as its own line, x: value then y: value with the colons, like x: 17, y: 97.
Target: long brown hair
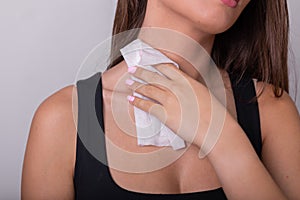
x: 257, y: 44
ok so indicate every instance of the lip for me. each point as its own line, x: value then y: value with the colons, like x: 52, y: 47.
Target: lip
x: 231, y: 3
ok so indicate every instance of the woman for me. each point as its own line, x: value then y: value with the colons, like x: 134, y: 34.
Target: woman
x: 255, y: 157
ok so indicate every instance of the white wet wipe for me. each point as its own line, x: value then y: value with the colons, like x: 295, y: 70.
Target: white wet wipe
x: 150, y: 130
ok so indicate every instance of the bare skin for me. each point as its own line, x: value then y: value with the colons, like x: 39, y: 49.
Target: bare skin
x: 183, y: 172
x: 48, y: 172
x: 50, y: 155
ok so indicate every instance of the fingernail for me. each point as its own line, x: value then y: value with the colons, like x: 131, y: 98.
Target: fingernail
x: 131, y: 69
x: 129, y: 81
x: 130, y: 98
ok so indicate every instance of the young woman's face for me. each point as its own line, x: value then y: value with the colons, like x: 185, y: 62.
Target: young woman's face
x: 211, y: 16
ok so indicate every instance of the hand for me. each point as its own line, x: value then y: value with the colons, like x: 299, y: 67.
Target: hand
x: 175, y: 99
x: 178, y: 100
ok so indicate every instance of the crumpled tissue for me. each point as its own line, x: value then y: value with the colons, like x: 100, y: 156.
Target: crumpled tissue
x: 150, y: 130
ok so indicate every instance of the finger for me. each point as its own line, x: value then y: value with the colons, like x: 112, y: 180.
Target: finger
x: 148, y: 106
x: 142, y: 82
x: 170, y: 70
x: 148, y: 90
x: 149, y: 77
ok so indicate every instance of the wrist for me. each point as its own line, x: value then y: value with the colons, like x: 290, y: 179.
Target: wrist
x: 216, y: 133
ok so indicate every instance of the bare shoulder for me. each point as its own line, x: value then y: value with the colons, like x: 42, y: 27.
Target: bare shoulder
x: 54, y: 118
x: 276, y: 113
x: 267, y: 98
x: 58, y: 108
x: 50, y: 151
x: 282, y: 106
x: 280, y: 126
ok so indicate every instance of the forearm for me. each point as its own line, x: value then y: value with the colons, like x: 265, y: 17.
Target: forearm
x: 240, y: 171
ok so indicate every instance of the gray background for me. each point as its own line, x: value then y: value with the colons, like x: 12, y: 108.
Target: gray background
x: 42, y: 45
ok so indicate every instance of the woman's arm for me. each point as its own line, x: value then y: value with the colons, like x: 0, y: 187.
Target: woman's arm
x: 50, y: 152
x: 242, y: 174
x: 280, y: 123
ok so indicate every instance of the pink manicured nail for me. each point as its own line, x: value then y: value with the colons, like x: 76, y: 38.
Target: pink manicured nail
x: 131, y: 69
x: 130, y: 98
x: 129, y: 81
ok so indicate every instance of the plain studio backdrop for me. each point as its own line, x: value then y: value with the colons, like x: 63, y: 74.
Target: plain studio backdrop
x: 42, y: 45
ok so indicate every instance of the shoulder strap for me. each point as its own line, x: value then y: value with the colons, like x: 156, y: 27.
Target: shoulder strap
x: 247, y: 109
x: 90, y: 127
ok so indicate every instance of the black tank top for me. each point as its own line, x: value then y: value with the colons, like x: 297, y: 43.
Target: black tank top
x: 92, y: 178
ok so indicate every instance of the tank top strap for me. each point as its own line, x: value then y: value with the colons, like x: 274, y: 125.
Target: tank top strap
x: 247, y: 109
x: 90, y: 123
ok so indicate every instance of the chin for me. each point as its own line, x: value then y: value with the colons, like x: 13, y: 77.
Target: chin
x: 210, y: 16
x: 216, y: 22
x: 215, y: 27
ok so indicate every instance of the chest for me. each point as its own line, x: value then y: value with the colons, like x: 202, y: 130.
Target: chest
x: 150, y: 169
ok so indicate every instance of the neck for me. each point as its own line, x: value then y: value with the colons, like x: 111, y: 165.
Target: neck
x: 166, y: 30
